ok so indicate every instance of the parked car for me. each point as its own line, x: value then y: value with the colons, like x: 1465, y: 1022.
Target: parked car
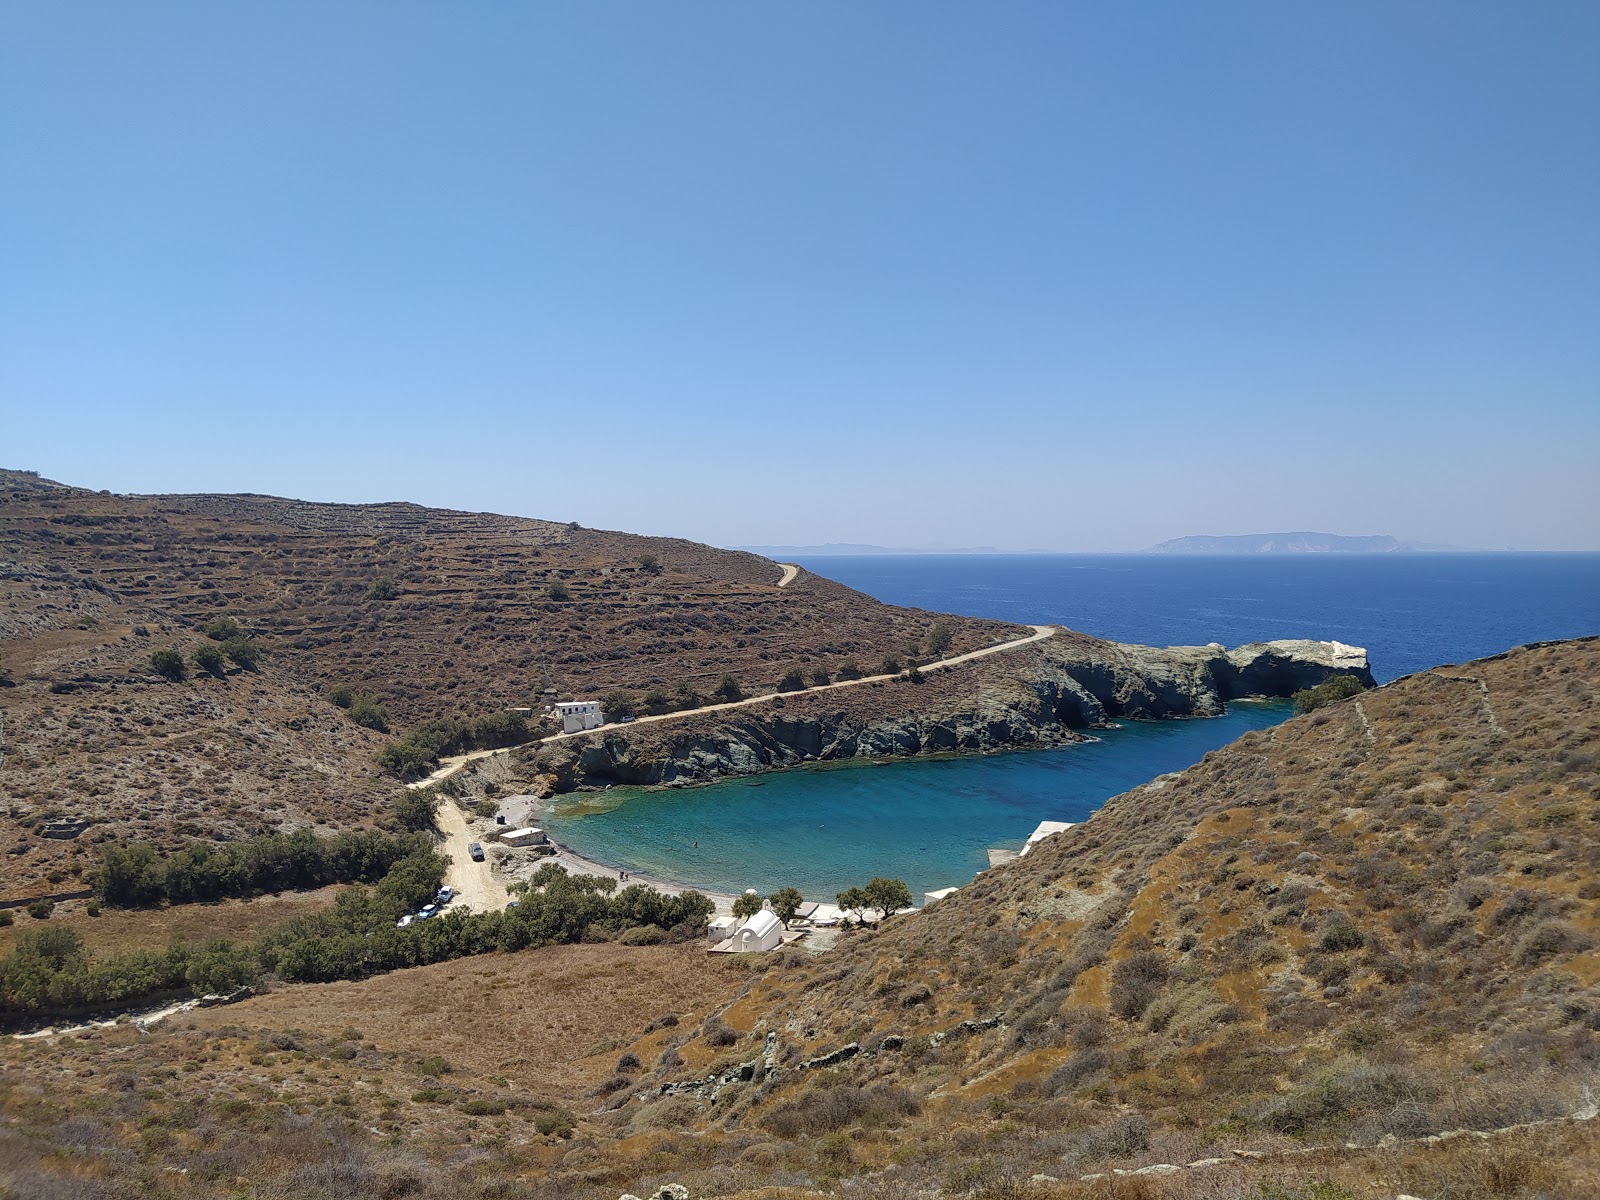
x: 405, y: 920
x: 625, y: 720
x: 431, y: 910
x: 446, y: 894
x: 510, y: 904
x: 475, y: 849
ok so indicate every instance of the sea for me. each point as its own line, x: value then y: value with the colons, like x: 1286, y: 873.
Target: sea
x: 930, y: 822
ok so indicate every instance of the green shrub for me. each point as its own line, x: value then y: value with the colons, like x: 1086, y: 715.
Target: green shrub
x: 92, y: 908
x: 169, y: 664
x: 209, y: 659
x: 616, y: 705
x: 559, y: 1123
x: 1338, y: 687
x: 244, y: 652
x: 369, y: 714
x: 650, y: 563
x: 557, y: 591
x: 728, y: 690
x: 643, y: 935
x: 686, y: 697
x: 793, y: 680
x: 483, y: 1108
x: 415, y: 808
x: 342, y: 696
x: 383, y: 589
x: 220, y: 629
x: 40, y: 910
x: 889, y: 666
x: 849, y: 669
x: 656, y: 700
x: 6, y: 918
x: 940, y: 637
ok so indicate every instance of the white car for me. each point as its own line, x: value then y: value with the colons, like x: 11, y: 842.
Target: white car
x: 446, y: 894
x: 405, y: 920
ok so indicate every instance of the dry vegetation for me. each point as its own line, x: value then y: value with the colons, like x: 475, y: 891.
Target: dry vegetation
x: 433, y: 613
x: 1374, y: 923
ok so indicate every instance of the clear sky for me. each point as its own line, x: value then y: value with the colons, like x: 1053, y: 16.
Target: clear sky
x: 1059, y: 275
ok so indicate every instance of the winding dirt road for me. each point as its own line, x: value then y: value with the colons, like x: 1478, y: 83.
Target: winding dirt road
x: 790, y: 571
x: 449, y: 766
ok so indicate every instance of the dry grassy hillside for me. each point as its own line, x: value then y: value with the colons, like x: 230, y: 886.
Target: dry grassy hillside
x: 434, y: 613
x: 1375, y: 922
x: 1380, y: 919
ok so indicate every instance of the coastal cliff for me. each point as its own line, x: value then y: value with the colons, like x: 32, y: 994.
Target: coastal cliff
x: 1040, y: 695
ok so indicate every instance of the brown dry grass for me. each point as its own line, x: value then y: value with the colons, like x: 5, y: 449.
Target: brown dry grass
x: 118, y: 931
x: 535, y: 1018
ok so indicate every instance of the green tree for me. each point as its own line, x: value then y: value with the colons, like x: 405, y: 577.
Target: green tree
x: 793, y: 680
x: 369, y: 714
x: 786, y: 901
x: 244, y: 652
x: 169, y: 664
x: 890, y: 665
x: 913, y: 672
x: 729, y: 690
x: 940, y: 637
x: 557, y: 591
x: 415, y: 808
x: 342, y: 696
x: 854, y: 900
x: 650, y: 563
x: 220, y: 629
x: 1335, y: 688
x: 383, y: 589
x: 616, y: 705
x: 849, y: 669
x: 820, y: 678
x: 888, y: 896
x: 208, y: 658
x: 656, y: 700
x: 746, y: 906
x: 686, y: 697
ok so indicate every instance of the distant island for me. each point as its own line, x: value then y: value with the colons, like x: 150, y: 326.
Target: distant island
x: 843, y: 548
x: 1296, y: 543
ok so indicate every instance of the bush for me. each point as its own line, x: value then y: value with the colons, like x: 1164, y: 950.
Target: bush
x: 656, y: 700
x: 209, y: 659
x: 686, y: 697
x: 643, y: 935
x: 92, y: 908
x: 1339, y: 687
x: 820, y: 678
x: 369, y: 714
x: 940, y: 637
x: 243, y: 651
x: 431, y: 739
x: 793, y: 680
x: 728, y: 690
x: 628, y: 1062
x: 889, y: 666
x: 650, y: 563
x: 557, y: 591
x: 1136, y: 981
x: 169, y: 664
x: 341, y: 697
x: 415, y: 808
x: 383, y: 589
x: 616, y: 705
x: 40, y: 910
x: 220, y: 629
x: 849, y: 669
x: 6, y: 918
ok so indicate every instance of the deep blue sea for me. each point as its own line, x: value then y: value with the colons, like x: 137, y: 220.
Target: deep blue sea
x: 930, y: 822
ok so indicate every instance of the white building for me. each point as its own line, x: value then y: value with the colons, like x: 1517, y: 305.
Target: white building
x: 578, y: 715
x: 929, y: 897
x: 761, y: 932
x: 526, y: 836
x: 721, y: 929
x: 1046, y: 828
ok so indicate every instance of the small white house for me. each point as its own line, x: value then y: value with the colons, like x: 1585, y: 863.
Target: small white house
x: 761, y: 932
x: 578, y: 715
x: 721, y: 929
x: 523, y: 837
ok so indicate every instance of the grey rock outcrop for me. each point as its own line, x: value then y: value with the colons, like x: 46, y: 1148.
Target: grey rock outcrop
x: 1048, y: 692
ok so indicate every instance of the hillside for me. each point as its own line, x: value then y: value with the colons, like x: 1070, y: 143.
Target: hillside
x: 433, y: 613
x: 1378, y: 920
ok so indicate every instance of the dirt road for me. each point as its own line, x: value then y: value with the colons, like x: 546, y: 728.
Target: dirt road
x: 474, y: 882
x: 450, y: 766
x: 789, y: 573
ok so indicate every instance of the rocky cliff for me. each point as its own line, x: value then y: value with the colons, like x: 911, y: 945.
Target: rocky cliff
x: 1039, y: 695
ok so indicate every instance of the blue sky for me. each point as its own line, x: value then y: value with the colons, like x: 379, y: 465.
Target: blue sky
x: 1069, y: 276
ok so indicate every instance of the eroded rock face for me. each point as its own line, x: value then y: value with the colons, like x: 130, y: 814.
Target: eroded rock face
x: 1062, y: 686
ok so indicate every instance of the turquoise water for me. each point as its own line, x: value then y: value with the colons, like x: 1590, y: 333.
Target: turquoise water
x: 928, y: 822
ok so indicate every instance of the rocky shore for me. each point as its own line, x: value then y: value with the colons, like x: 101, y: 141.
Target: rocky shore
x: 1041, y: 695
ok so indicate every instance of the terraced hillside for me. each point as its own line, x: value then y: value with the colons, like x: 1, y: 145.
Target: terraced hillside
x: 432, y: 613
